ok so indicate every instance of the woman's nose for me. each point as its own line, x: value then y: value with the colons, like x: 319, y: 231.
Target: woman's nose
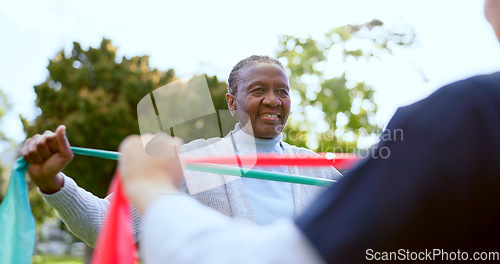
x: 272, y: 100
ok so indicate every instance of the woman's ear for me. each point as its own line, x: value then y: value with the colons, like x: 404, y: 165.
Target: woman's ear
x: 231, y: 103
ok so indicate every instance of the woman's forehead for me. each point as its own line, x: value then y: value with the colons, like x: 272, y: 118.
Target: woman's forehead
x: 263, y: 70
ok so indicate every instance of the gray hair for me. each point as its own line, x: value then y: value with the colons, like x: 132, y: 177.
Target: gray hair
x: 234, y: 80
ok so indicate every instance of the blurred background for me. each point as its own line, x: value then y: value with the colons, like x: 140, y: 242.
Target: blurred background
x: 351, y: 65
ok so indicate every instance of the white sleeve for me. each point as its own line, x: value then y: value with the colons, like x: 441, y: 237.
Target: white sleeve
x: 178, y: 229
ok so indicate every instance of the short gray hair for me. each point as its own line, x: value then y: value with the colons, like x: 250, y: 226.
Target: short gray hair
x: 234, y: 80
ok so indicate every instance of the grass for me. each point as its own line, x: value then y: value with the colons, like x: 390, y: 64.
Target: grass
x: 40, y: 259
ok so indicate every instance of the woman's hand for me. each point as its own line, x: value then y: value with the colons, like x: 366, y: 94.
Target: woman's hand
x: 47, y: 155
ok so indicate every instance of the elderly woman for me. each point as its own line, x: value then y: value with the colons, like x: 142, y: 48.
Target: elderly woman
x: 259, y: 95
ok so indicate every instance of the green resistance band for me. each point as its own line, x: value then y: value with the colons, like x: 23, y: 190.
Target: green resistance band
x: 221, y: 169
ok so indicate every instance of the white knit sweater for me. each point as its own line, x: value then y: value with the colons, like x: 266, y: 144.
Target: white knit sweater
x: 84, y: 213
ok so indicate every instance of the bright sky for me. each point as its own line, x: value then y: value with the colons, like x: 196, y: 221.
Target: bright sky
x: 454, y: 40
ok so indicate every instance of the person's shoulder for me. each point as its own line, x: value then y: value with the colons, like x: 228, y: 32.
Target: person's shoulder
x: 487, y: 83
x: 474, y: 91
x: 467, y: 100
x: 299, y: 150
x: 328, y: 172
x: 200, y: 143
x: 487, y: 80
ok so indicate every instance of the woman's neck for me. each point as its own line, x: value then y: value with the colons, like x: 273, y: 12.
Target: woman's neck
x: 248, y: 143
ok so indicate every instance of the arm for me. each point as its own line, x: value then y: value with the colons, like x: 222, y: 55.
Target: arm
x: 84, y: 213
x: 80, y: 210
x: 47, y: 155
x: 178, y: 229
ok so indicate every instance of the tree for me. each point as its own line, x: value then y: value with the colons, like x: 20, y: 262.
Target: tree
x: 95, y: 95
x: 345, y: 107
x: 6, y: 143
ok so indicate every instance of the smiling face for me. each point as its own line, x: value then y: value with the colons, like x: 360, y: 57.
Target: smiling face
x: 263, y: 98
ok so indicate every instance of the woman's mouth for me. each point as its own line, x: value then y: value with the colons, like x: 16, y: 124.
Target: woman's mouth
x: 270, y: 117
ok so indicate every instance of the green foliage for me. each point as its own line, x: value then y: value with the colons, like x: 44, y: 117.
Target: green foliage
x: 209, y: 124
x: 40, y: 259
x: 347, y: 106
x: 95, y: 95
x: 218, y: 92
x: 6, y: 143
x: 5, y: 107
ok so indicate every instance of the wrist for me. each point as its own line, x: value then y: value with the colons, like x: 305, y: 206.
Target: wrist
x: 51, y: 185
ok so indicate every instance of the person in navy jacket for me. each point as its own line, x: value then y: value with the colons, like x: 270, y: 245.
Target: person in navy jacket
x: 434, y: 190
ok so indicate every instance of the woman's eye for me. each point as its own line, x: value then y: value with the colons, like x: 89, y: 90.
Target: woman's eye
x: 284, y: 92
x: 258, y: 90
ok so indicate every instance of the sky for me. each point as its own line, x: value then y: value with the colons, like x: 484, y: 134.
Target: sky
x: 454, y: 40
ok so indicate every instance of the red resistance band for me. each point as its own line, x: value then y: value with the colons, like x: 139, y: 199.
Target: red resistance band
x: 342, y: 160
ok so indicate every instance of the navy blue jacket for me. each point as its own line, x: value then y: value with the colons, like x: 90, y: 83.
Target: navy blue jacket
x: 432, y: 183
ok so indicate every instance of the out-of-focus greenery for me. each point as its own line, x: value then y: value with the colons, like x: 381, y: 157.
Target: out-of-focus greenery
x: 345, y: 104
x: 95, y: 94
x: 39, y: 259
x: 5, y: 106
